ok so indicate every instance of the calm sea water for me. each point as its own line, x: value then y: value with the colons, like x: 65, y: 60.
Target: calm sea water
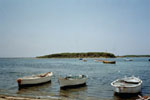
x: 98, y: 85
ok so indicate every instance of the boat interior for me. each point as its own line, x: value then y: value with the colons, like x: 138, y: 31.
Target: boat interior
x: 125, y: 83
x: 75, y: 77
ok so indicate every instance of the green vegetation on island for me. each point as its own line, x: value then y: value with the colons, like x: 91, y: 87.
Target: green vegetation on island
x: 79, y: 55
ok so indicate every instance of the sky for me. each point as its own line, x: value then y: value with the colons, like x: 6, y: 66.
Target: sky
x: 30, y: 28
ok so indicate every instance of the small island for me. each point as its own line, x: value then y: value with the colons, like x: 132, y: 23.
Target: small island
x: 79, y: 55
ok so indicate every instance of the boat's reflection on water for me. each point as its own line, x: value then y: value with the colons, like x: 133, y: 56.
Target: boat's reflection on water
x: 126, y: 96
x: 33, y: 89
x: 72, y: 92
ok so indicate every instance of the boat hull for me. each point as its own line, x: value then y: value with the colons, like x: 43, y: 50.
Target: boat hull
x: 73, y: 86
x: 30, y: 85
x: 64, y: 83
x: 126, y: 90
x: 127, y: 85
x: 22, y: 82
x: 109, y: 62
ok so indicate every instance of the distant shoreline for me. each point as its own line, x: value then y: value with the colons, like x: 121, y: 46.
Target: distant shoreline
x: 124, y: 56
x: 133, y: 56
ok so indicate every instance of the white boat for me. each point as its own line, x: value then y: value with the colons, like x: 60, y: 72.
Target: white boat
x: 98, y: 60
x: 127, y: 85
x: 84, y: 60
x: 126, y: 59
x: 34, y: 79
x: 72, y: 81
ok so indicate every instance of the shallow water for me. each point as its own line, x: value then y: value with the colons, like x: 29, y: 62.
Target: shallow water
x: 98, y: 85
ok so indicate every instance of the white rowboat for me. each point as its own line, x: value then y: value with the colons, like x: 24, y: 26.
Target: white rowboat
x: 126, y: 59
x: 72, y: 81
x: 34, y: 79
x: 127, y: 85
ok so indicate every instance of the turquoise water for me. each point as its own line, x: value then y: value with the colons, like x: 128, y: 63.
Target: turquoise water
x: 98, y: 85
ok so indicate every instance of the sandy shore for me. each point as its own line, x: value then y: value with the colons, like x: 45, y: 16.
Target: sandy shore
x: 6, y: 97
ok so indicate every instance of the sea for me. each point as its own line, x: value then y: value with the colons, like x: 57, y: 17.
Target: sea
x: 99, y: 80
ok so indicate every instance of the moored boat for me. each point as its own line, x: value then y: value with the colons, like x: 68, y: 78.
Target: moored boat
x: 126, y: 59
x: 98, y: 60
x: 127, y: 85
x: 72, y: 81
x: 109, y: 62
x: 84, y: 60
x: 80, y: 59
x: 34, y: 79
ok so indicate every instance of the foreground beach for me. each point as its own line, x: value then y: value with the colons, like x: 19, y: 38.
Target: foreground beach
x: 6, y: 97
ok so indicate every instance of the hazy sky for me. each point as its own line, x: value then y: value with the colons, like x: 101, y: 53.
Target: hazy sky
x: 30, y: 28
